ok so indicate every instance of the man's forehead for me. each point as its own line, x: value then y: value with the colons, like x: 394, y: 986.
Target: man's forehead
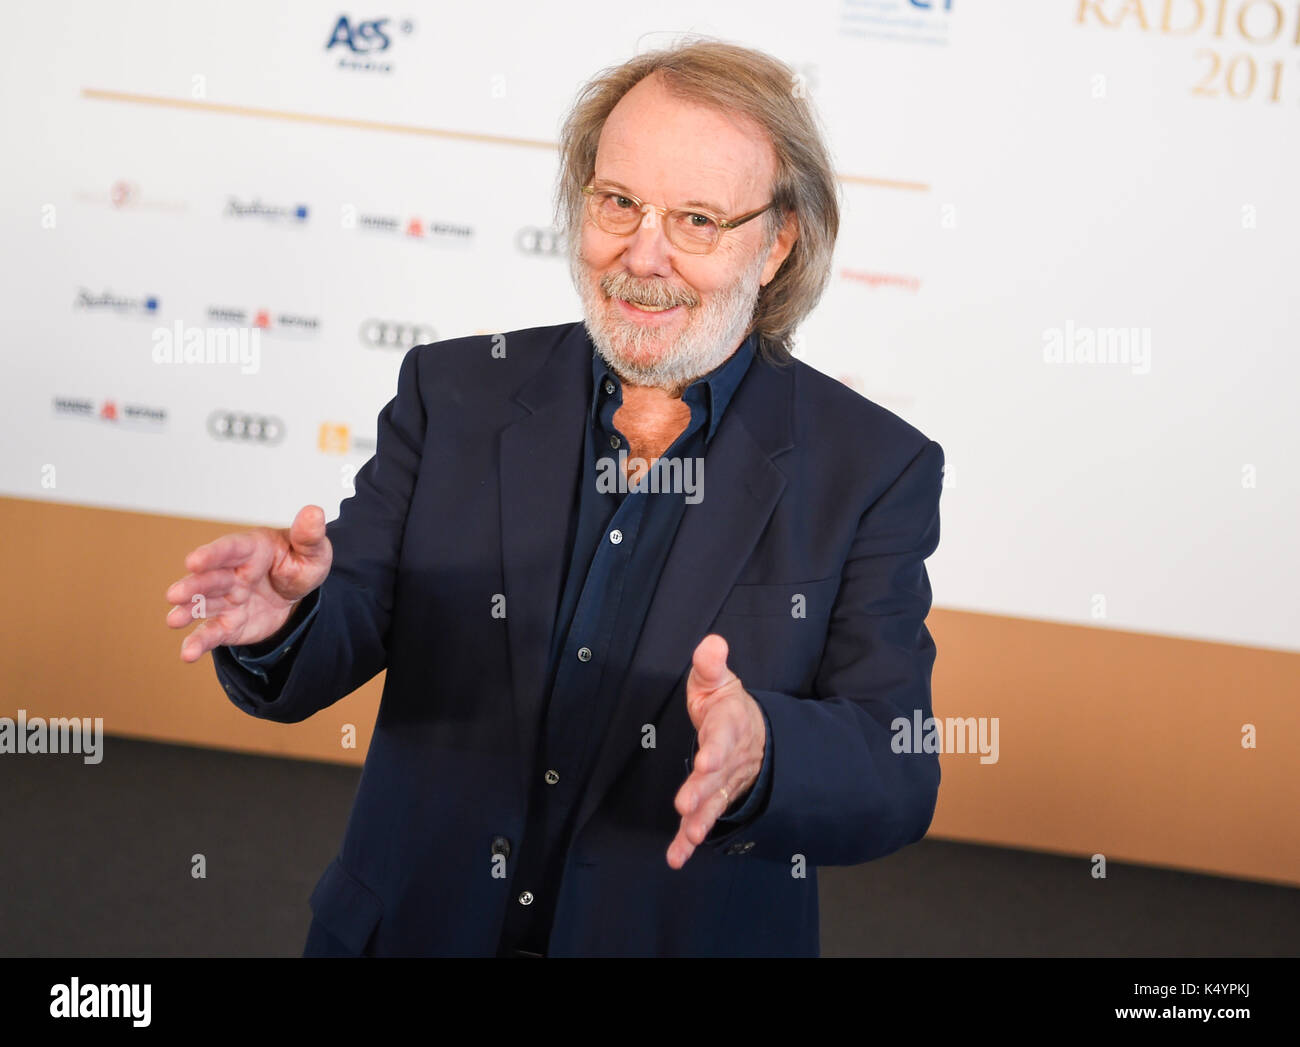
x: 661, y: 147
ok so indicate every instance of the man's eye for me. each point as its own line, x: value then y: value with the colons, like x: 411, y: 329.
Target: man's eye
x: 622, y: 201
x: 699, y: 221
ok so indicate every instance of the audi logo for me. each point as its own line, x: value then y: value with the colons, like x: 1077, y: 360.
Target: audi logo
x: 247, y: 428
x: 389, y: 334
x: 540, y: 241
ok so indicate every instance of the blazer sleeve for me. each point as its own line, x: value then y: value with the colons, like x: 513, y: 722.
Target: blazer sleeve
x: 839, y: 793
x: 261, y: 659
x: 344, y: 644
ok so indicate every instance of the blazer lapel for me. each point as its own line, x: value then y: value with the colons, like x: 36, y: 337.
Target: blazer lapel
x: 715, y: 540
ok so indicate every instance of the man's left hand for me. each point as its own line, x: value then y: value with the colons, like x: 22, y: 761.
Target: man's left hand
x: 732, y: 739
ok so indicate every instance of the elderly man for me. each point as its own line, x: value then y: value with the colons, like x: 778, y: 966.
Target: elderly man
x: 631, y: 704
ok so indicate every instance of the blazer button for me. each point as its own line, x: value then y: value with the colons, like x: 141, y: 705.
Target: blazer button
x: 501, y: 846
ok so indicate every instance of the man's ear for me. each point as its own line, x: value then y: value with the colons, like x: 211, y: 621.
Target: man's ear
x: 780, y: 248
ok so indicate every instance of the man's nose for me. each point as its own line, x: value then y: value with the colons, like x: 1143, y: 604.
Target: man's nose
x: 647, y: 247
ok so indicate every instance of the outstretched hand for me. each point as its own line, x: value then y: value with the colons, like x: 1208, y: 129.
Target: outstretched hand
x: 243, y: 587
x: 732, y: 740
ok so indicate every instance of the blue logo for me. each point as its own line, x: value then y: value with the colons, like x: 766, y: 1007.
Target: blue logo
x: 365, y: 38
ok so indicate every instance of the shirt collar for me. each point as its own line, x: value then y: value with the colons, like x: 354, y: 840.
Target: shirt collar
x: 713, y: 391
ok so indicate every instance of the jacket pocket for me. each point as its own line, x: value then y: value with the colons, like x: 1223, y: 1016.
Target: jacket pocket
x: 776, y: 633
x: 758, y: 600
x: 346, y: 907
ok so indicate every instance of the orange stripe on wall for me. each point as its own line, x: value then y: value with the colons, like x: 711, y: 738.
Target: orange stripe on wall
x: 1123, y: 744
x: 196, y: 105
x: 1113, y: 743
x: 88, y: 636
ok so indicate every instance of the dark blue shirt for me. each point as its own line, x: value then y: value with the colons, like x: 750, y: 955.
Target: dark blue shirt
x: 620, y: 534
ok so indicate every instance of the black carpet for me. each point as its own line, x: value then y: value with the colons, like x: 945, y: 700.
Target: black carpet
x: 96, y: 860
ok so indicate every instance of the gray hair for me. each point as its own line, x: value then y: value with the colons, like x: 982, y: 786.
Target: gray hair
x: 743, y: 81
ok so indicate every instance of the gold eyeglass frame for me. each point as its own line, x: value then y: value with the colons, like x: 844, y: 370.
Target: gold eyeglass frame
x: 591, y: 189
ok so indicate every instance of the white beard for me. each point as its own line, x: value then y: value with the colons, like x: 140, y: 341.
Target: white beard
x: 637, y: 353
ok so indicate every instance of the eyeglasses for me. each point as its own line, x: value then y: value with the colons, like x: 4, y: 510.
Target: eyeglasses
x: 694, y: 231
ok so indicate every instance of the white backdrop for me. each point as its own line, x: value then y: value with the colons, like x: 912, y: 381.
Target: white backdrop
x: 1020, y: 179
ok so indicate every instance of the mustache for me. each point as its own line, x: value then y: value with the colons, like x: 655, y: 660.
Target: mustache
x: 654, y: 293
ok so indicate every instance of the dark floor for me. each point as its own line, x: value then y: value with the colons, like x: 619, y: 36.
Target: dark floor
x: 96, y: 861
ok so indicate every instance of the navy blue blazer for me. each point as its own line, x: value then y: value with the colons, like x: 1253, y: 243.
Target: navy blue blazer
x: 806, y: 553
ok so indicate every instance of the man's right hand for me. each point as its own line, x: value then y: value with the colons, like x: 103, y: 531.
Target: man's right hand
x: 250, y: 583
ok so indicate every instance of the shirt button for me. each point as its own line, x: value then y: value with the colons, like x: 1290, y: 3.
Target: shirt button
x: 584, y: 654
x: 616, y: 536
x: 526, y: 898
x: 614, y: 441
x: 609, y: 386
x: 551, y: 777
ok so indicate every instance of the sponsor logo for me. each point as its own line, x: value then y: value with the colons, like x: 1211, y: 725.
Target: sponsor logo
x: 365, y: 45
x: 257, y: 208
x: 897, y: 21
x: 239, y: 427
x: 270, y: 321
x: 125, y: 195
x: 433, y: 231
x: 111, y: 302
x: 874, y: 280
x: 392, y: 334
x: 125, y: 414
x: 536, y: 241
x: 338, y: 438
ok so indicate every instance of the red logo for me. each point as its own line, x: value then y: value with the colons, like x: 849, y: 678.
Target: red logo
x: 121, y: 194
